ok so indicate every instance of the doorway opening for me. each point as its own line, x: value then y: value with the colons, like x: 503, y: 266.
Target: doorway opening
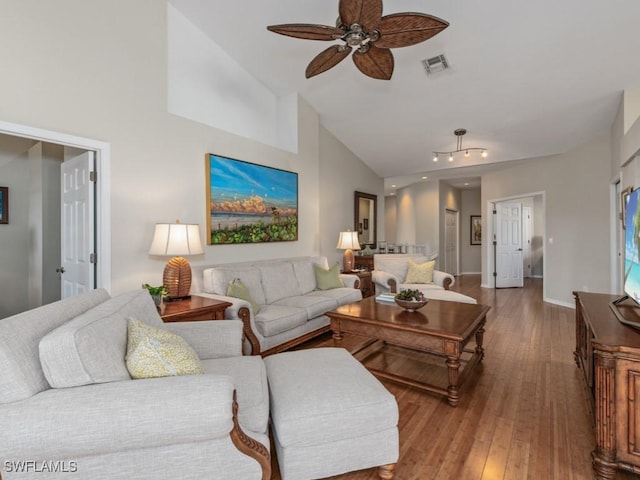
x: 49, y: 179
x: 531, y: 230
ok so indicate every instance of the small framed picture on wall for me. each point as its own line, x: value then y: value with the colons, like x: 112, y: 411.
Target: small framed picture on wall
x: 4, y: 204
x: 476, y: 230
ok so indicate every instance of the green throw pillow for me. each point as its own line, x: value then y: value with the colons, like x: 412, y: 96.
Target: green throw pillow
x: 420, y: 273
x: 154, y: 352
x: 237, y: 289
x: 328, y: 279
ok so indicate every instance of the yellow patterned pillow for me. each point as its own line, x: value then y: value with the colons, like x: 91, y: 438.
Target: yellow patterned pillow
x: 155, y: 352
x: 420, y: 273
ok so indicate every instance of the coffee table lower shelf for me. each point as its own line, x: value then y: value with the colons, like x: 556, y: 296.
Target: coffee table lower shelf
x: 415, y: 368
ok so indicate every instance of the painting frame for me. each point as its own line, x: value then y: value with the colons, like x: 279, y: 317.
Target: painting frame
x: 475, y: 230
x: 249, y: 203
x: 4, y: 205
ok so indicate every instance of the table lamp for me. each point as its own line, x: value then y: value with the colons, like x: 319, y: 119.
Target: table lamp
x: 176, y: 239
x: 348, y: 242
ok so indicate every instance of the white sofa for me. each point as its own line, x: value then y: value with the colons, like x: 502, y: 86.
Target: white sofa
x: 67, y: 401
x: 390, y: 274
x: 291, y: 307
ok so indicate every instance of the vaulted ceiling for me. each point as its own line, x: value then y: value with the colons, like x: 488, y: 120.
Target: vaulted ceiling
x: 526, y: 79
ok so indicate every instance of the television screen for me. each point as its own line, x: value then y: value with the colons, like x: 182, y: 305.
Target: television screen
x: 632, y: 247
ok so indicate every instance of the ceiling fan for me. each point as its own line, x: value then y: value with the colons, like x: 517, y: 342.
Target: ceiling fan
x: 367, y: 33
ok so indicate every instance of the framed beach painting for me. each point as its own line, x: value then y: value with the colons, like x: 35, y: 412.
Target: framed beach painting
x: 4, y: 204
x: 250, y: 203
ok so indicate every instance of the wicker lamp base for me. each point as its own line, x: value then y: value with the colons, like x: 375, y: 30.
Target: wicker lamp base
x: 177, y: 278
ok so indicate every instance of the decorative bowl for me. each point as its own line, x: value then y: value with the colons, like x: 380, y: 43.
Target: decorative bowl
x: 411, y: 305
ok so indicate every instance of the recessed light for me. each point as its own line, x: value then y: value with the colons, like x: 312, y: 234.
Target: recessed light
x: 393, y: 186
x: 424, y: 178
x: 466, y: 184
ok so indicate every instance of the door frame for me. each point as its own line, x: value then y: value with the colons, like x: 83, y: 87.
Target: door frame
x: 103, y: 187
x: 489, y: 280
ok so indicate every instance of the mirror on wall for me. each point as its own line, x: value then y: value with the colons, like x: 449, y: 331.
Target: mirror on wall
x: 366, y: 211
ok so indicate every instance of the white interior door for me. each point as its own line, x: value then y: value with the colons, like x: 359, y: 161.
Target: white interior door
x: 78, y: 225
x: 527, y: 228
x: 451, y: 242
x: 509, y: 245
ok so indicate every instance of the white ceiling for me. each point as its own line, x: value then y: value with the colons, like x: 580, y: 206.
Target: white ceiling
x: 527, y: 78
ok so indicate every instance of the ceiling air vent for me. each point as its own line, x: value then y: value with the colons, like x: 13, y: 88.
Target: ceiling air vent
x: 435, y: 64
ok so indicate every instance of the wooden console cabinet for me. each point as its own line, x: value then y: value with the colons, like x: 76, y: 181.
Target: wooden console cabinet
x: 608, y: 352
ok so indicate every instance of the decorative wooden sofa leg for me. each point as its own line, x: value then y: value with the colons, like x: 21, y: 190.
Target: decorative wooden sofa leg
x: 393, y: 286
x: 245, y: 316
x: 387, y: 472
x: 446, y: 283
x: 249, y: 446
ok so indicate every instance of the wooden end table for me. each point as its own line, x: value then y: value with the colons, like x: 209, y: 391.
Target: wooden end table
x: 193, y: 309
x: 366, y: 284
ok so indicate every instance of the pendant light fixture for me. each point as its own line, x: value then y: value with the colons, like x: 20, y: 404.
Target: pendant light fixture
x: 450, y: 154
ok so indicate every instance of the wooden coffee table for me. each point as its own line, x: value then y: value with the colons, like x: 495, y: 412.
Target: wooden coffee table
x: 439, y: 328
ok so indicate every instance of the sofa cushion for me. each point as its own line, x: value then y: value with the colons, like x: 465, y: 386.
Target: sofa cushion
x: 155, y: 352
x: 420, y: 272
x: 249, y: 378
x: 91, y: 348
x: 278, y: 281
x: 237, y: 289
x: 326, y: 279
x: 305, y: 274
x: 274, y: 319
x: 20, y: 335
x: 314, y: 305
x: 216, y: 280
x: 342, y: 296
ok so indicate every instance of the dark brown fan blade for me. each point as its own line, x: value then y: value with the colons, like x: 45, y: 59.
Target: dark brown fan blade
x: 364, y: 12
x: 307, y: 31
x: 376, y: 63
x: 404, y: 29
x: 326, y: 60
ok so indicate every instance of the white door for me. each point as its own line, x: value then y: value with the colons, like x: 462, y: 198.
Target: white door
x: 78, y: 225
x: 527, y: 228
x: 451, y: 242
x: 509, y: 245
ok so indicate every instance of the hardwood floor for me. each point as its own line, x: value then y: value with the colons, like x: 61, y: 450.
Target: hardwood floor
x: 523, y: 414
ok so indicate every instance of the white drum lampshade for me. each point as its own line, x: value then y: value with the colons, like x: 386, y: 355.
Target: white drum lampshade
x: 177, y: 240
x: 348, y: 242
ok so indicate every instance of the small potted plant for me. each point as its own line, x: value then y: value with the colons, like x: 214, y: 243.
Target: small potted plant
x: 157, y: 293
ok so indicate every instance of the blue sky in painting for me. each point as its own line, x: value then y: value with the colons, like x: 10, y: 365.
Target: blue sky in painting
x: 233, y: 180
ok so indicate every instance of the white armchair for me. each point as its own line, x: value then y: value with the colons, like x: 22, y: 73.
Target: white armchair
x: 390, y: 276
x: 390, y: 272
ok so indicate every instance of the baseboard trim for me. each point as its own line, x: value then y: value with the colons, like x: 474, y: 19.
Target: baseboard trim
x: 559, y: 302
x: 470, y: 273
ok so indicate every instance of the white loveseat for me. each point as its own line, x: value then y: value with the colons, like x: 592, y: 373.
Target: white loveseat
x: 67, y: 401
x: 291, y: 307
x: 390, y: 274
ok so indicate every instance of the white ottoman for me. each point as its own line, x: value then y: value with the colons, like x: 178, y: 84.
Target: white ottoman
x: 330, y: 415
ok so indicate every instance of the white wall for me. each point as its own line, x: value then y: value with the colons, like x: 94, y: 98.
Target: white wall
x: 390, y: 218
x: 341, y: 174
x: 470, y: 255
x: 14, y: 236
x: 577, y: 211
x: 108, y: 81
x: 416, y: 215
x: 206, y: 85
x: 450, y: 199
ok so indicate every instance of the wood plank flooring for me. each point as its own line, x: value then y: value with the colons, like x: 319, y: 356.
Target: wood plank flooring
x: 523, y: 414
